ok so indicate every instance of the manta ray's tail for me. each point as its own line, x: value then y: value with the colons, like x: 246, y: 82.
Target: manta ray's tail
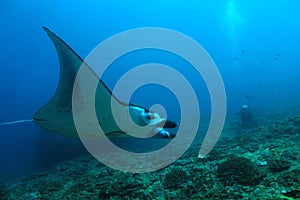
x: 16, y: 122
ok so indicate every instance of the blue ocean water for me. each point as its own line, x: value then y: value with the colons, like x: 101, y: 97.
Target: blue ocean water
x: 255, y: 45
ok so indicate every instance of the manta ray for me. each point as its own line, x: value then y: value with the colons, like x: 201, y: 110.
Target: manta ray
x: 57, y: 114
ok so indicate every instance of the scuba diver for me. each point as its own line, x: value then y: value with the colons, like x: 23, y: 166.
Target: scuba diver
x: 246, y: 117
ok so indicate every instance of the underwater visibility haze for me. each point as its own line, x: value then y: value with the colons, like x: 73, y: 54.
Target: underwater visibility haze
x: 255, y: 47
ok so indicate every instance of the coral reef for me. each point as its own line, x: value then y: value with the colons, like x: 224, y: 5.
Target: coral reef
x: 1, y: 189
x: 290, y: 179
x: 239, y: 170
x: 293, y: 194
x: 255, y: 163
x: 175, y: 178
x: 279, y: 165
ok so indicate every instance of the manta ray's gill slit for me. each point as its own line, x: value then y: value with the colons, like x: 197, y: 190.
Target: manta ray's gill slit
x: 15, y: 122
